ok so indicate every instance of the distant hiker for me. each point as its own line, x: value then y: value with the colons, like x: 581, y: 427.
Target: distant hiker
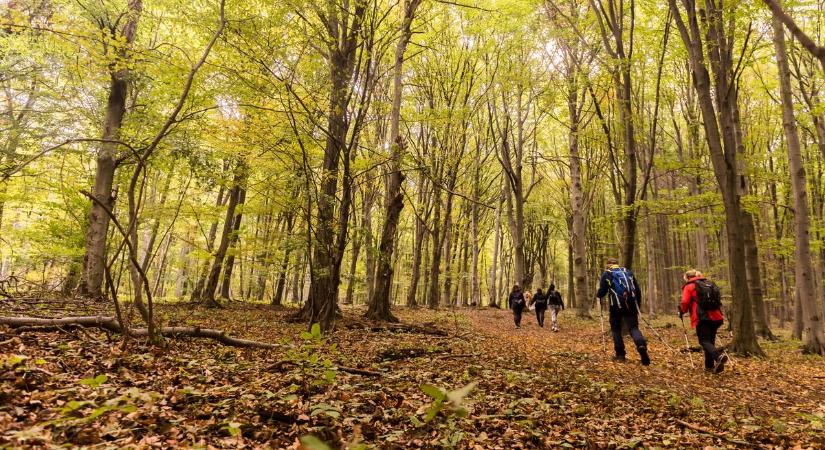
x: 625, y: 297
x: 556, y: 304
x: 540, y: 302
x: 702, y: 299
x: 517, y: 304
x: 528, y: 297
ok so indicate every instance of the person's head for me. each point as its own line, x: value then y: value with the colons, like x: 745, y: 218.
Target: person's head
x: 692, y: 273
x: 516, y: 288
x: 552, y: 287
x: 611, y: 262
x: 539, y: 291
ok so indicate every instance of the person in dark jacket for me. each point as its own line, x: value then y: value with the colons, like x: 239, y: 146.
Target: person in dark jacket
x: 706, y: 323
x: 556, y: 304
x: 540, y: 302
x: 517, y: 304
x: 625, y: 295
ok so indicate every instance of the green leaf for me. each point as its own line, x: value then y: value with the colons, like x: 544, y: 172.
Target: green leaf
x: 415, y: 421
x: 316, y: 330
x: 433, y: 391
x: 313, y: 443
x: 458, y: 395
x: 94, y: 382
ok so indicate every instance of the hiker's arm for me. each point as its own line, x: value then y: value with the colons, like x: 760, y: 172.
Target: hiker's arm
x: 637, y: 290
x: 604, y: 286
x: 561, y: 300
x: 687, y: 297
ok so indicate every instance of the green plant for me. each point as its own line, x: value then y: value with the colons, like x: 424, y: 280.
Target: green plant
x: 311, y: 358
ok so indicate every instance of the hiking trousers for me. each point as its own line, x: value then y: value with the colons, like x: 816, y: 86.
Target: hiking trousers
x: 517, y: 312
x: 540, y: 314
x: 554, y: 316
x: 706, y: 332
x: 631, y: 318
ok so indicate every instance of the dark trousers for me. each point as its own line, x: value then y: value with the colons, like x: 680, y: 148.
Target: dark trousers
x: 631, y: 318
x: 540, y: 315
x: 517, y: 311
x: 706, y: 332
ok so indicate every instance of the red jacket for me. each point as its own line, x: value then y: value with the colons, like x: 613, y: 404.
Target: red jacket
x: 690, y: 301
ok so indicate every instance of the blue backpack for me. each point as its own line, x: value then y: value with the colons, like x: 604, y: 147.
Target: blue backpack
x: 623, y: 287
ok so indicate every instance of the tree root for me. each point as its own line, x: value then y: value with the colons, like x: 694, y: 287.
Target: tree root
x: 22, y: 324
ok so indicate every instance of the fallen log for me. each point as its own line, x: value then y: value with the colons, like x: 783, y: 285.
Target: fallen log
x: 111, y: 324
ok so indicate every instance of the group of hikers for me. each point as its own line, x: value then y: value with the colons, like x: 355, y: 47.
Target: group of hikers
x: 701, y: 299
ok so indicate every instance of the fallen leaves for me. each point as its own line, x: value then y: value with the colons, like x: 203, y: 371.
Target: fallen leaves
x: 514, y: 389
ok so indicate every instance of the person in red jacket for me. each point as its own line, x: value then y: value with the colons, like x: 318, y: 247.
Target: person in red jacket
x: 706, y: 323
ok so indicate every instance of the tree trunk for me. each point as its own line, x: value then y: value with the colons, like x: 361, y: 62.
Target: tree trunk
x: 211, y: 285
x: 234, y: 239
x: 493, y: 288
x: 94, y: 259
x: 723, y: 156
x: 815, y: 341
x: 379, y: 304
x: 435, y: 263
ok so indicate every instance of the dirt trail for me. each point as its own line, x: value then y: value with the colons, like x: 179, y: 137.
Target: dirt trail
x: 771, y: 401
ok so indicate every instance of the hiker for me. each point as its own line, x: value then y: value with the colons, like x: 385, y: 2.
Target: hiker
x: 556, y: 304
x: 517, y: 304
x: 702, y: 299
x: 540, y: 303
x: 625, y: 297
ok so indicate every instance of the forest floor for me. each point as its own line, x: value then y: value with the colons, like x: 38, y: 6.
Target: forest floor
x: 526, y: 388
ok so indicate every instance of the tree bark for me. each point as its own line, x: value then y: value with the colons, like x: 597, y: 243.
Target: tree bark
x: 94, y: 259
x: 379, y: 304
x: 211, y: 285
x: 815, y: 340
x: 234, y: 239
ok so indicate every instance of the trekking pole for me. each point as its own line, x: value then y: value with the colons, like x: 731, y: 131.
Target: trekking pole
x: 687, y: 344
x: 725, y: 349
x: 601, y: 321
x: 639, y: 307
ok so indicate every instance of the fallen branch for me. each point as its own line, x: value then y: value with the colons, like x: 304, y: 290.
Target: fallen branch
x: 712, y: 433
x: 408, y: 353
x: 357, y: 371
x: 279, y: 365
x: 111, y: 324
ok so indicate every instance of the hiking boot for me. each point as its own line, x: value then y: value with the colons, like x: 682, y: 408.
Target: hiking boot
x: 720, y: 363
x: 619, y: 359
x: 644, y: 355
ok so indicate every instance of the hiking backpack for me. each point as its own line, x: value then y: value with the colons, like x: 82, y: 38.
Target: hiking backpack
x: 708, y: 296
x: 623, y: 287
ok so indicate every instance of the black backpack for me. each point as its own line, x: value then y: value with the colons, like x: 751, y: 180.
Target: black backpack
x: 708, y: 295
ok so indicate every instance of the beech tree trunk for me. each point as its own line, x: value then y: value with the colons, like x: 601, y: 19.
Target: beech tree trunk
x: 723, y: 149
x: 94, y: 259
x: 379, y: 304
x: 234, y: 239
x: 815, y: 339
x: 211, y: 285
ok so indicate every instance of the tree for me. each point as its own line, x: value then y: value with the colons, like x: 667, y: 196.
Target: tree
x: 717, y: 109
x: 122, y: 39
x: 815, y: 341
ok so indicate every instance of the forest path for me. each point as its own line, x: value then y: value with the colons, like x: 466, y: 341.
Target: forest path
x: 754, y: 400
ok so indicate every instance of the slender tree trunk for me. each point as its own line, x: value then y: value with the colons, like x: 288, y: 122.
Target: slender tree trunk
x: 815, y: 341
x: 211, y: 286
x: 379, y: 304
x: 94, y: 259
x: 496, y: 255
x: 234, y: 240
x: 433, y: 299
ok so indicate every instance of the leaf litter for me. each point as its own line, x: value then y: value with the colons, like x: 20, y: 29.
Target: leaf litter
x: 473, y: 382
